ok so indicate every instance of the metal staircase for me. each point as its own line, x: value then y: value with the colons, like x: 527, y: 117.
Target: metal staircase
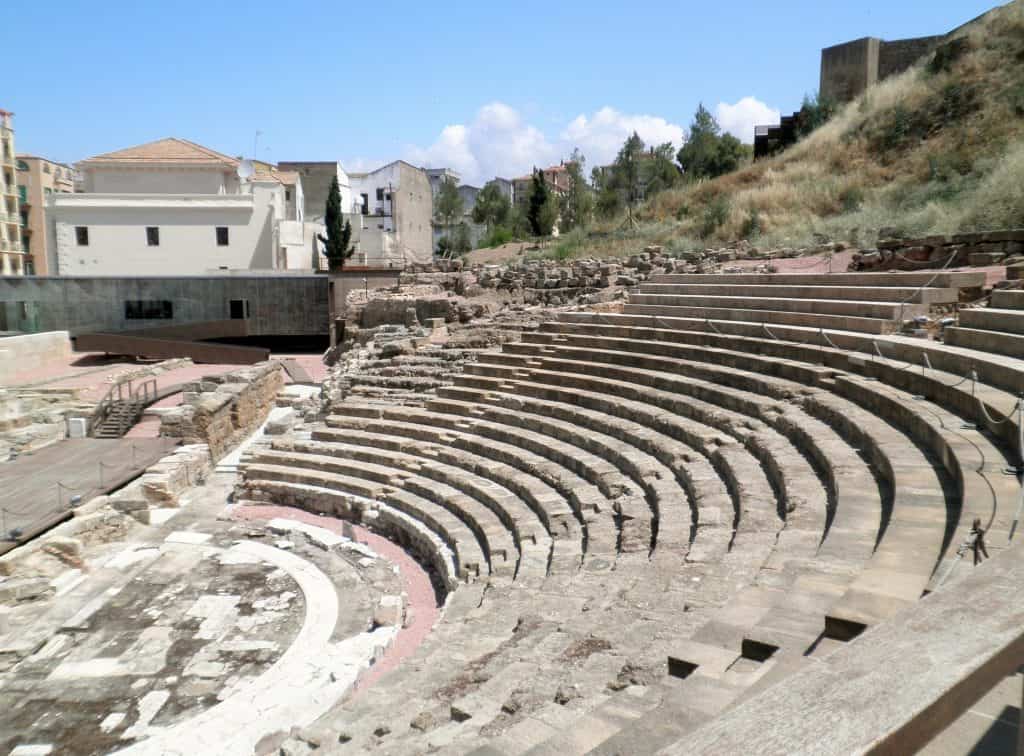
x: 121, y: 408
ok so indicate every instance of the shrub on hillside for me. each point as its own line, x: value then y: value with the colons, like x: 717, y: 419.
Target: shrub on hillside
x: 716, y: 215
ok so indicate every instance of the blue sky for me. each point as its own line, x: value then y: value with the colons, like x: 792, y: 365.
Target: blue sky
x: 487, y: 87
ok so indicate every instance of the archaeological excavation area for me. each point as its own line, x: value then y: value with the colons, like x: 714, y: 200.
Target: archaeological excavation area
x: 720, y: 513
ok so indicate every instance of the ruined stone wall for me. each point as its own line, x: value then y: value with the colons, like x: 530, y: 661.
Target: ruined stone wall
x: 974, y: 249
x: 222, y: 410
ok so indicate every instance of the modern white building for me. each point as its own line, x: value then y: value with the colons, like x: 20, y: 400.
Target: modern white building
x: 391, y: 214
x: 173, y: 207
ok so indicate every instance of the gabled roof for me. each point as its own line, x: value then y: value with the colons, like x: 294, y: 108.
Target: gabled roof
x: 171, y: 150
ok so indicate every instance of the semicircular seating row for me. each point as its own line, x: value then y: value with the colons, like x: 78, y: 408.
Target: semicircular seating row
x: 638, y: 519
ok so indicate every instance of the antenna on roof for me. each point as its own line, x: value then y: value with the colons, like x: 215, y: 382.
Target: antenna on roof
x: 245, y: 169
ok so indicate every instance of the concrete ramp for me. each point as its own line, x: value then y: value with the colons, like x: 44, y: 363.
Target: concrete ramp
x: 164, y: 348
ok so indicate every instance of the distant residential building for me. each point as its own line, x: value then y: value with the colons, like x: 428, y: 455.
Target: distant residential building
x: 173, y: 207
x: 556, y: 177
x: 38, y: 178
x: 437, y: 176
x: 316, y: 182
x: 12, y: 251
x: 391, y: 214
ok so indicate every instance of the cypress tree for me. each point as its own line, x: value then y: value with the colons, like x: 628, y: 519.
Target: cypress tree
x: 538, y: 199
x: 339, y: 230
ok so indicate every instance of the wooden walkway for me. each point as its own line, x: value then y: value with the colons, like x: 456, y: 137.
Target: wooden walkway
x: 37, y: 489
x: 296, y: 372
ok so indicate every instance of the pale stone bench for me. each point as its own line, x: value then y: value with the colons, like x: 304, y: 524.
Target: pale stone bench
x: 494, y: 538
x: 454, y: 533
x: 822, y: 291
x: 551, y: 504
x: 530, y: 537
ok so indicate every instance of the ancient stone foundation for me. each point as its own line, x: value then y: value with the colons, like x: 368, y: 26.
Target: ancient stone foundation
x: 222, y: 410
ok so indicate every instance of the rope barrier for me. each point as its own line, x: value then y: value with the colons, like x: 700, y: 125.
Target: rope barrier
x: 919, y: 289
x: 767, y: 330
x: 712, y: 326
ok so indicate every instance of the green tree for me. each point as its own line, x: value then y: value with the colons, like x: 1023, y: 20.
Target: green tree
x: 660, y: 171
x: 492, y: 207
x: 577, y: 204
x: 462, y: 240
x: 626, y: 171
x: 814, y: 112
x: 336, y: 243
x: 448, y: 206
x: 538, y: 201
x: 707, y: 152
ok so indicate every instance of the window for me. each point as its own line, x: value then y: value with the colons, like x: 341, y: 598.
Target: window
x: 82, y: 236
x: 366, y: 203
x: 239, y: 309
x: 148, y: 309
x: 287, y: 195
x: 380, y: 194
x: 22, y: 165
x: 222, y: 236
x: 153, y: 236
x: 46, y: 167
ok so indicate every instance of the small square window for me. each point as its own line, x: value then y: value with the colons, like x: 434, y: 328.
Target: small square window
x: 82, y: 236
x: 153, y: 236
x: 239, y: 309
x: 222, y: 236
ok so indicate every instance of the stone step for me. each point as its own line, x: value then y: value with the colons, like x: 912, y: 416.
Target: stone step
x: 993, y: 319
x: 494, y: 538
x: 854, y: 503
x: 529, y: 532
x: 1009, y: 299
x: 666, y: 477
x: 808, y: 320
x: 560, y: 498
x: 822, y: 291
x: 967, y: 280
x: 413, y: 534
x: 753, y: 496
x: 456, y: 535
x: 1010, y: 344
x: 940, y: 377
x: 849, y: 308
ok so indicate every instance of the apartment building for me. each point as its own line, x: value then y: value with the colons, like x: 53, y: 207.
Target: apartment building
x: 38, y: 178
x: 391, y: 215
x: 12, y: 250
x: 555, y: 176
x: 173, y: 207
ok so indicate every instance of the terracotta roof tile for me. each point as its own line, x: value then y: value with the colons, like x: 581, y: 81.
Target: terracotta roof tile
x: 169, y: 150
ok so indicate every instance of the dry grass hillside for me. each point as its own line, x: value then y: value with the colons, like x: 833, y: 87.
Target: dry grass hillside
x: 937, y: 149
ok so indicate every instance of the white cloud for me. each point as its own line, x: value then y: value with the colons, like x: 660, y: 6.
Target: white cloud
x: 740, y: 118
x: 498, y: 141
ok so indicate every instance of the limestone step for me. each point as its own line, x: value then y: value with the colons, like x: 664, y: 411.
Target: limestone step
x: 455, y: 534
x: 808, y: 320
x: 822, y: 291
x: 1010, y: 299
x: 529, y: 532
x: 637, y: 470
x: 850, y: 308
x: 1010, y: 344
x: 494, y: 538
x: 993, y: 319
x: 918, y: 366
x: 413, y: 534
x: 852, y: 491
x: 559, y: 497
x: 967, y: 280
